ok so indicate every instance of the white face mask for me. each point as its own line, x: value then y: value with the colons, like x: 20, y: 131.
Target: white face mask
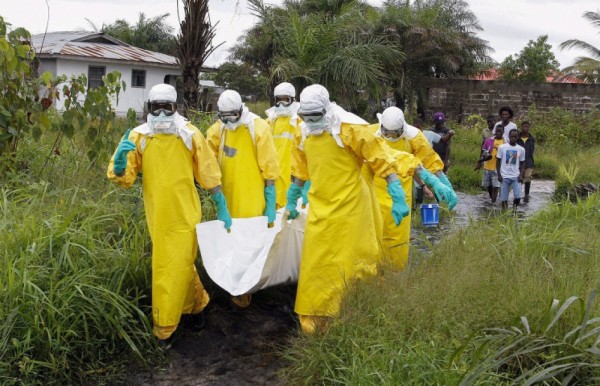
x: 162, y: 123
x: 231, y: 125
x: 392, y: 139
x: 283, y: 111
x: 316, y: 127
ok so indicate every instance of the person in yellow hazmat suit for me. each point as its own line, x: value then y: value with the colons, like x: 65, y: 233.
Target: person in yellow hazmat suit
x: 340, y: 240
x: 171, y: 154
x: 411, y: 140
x: 285, y: 126
x: 395, y: 239
x: 246, y: 153
x: 404, y: 138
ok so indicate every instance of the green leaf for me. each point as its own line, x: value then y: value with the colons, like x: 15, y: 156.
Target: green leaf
x: 46, y: 78
x: 36, y: 132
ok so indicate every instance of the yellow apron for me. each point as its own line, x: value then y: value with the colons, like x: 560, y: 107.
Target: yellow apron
x: 340, y: 242
x: 245, y: 164
x: 396, y: 239
x: 172, y: 212
x: 284, y: 136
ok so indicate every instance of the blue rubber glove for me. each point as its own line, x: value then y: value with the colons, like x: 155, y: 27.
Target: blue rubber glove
x: 444, y: 179
x: 120, y: 162
x: 222, y: 211
x: 399, y: 207
x: 305, y: 193
x: 293, y: 194
x: 270, y: 203
x: 442, y: 192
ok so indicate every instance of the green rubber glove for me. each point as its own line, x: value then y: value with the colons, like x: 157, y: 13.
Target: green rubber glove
x: 305, y: 193
x: 293, y: 194
x: 222, y: 211
x: 120, y: 161
x: 441, y: 190
x: 399, y: 207
x: 270, y: 203
x: 444, y: 179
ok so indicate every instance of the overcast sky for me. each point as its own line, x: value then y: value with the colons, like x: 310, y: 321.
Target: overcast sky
x: 508, y: 24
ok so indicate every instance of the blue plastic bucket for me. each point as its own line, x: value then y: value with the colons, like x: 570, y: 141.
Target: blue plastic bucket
x: 430, y: 215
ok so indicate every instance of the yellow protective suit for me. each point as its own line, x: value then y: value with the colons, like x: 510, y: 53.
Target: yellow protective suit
x: 340, y: 240
x: 285, y: 135
x: 396, y: 239
x: 246, y: 161
x: 172, y: 209
x: 247, y: 158
x: 416, y: 144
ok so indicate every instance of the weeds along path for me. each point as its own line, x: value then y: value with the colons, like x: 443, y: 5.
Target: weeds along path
x: 240, y: 346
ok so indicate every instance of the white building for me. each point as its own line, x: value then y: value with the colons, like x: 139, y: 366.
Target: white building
x: 96, y: 54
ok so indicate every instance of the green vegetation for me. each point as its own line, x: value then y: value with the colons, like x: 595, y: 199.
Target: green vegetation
x: 350, y: 46
x: 534, y: 63
x: 416, y: 327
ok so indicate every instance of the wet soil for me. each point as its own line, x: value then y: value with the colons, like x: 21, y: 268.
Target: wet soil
x: 235, y: 347
x: 243, y: 346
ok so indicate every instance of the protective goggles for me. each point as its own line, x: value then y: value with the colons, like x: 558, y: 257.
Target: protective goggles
x: 230, y: 116
x: 157, y: 107
x: 392, y: 134
x: 283, y: 100
x: 312, y: 116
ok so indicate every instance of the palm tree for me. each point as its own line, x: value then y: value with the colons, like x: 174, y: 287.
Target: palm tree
x: 586, y: 68
x: 439, y: 37
x: 194, y: 45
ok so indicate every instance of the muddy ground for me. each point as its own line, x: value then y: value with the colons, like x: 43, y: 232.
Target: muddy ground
x: 243, y: 346
x: 235, y: 347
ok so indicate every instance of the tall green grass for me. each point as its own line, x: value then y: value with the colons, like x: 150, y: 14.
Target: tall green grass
x: 405, y: 328
x: 73, y: 285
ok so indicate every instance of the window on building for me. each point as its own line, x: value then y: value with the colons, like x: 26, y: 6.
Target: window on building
x: 95, y: 74
x: 138, y: 78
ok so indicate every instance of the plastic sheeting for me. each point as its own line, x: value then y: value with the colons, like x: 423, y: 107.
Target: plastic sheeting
x: 252, y: 256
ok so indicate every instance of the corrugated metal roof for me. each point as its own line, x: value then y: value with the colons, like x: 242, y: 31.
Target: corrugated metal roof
x: 85, y: 44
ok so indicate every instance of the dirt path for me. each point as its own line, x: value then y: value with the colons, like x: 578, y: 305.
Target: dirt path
x: 235, y: 347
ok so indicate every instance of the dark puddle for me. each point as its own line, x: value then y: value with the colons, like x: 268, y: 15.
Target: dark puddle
x: 242, y: 346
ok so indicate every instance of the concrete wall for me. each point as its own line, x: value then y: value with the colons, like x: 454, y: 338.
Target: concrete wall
x: 459, y: 98
x: 132, y: 97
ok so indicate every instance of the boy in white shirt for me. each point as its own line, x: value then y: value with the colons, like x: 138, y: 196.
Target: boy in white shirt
x: 510, y: 168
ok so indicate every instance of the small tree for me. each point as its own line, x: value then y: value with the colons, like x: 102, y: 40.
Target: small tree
x: 242, y: 78
x: 534, y: 63
x: 20, y: 105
